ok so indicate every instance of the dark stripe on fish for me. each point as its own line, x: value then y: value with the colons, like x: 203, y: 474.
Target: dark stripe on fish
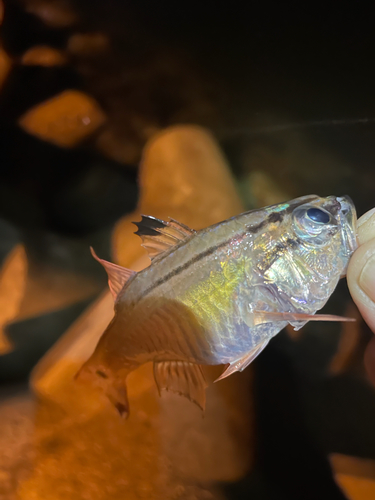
x: 187, y: 264
x: 272, y: 218
x: 278, y: 250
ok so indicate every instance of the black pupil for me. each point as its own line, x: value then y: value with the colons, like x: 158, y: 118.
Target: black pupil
x: 318, y: 215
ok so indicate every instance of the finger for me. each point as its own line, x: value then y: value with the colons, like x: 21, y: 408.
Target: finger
x: 361, y: 270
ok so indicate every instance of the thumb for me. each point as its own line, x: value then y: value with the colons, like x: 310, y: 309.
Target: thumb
x: 361, y: 281
x: 361, y: 270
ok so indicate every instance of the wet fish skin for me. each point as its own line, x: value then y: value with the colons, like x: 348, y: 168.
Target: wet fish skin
x: 208, y: 296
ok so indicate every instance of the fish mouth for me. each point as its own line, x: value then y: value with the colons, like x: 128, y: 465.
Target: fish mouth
x: 348, y: 220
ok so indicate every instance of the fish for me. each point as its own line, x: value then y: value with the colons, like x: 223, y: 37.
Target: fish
x: 218, y: 296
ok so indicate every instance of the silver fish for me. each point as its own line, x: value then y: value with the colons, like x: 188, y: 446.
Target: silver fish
x: 219, y: 295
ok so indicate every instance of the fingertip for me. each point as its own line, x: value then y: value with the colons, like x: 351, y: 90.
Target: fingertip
x: 361, y: 280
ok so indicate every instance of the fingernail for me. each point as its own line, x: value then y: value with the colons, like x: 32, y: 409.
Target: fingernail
x: 367, y: 278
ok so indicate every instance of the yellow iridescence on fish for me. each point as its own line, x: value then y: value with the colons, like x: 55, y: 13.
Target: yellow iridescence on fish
x: 219, y: 295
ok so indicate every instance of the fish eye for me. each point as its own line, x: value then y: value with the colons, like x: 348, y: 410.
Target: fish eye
x: 313, y: 225
x: 318, y: 215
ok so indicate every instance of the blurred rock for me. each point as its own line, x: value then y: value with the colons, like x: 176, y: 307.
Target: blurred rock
x: 355, y: 476
x: 165, y: 449
x: 12, y: 287
x: 16, y: 430
x: 5, y: 65
x: 33, y: 336
x: 42, y: 55
x: 260, y: 190
x: 64, y: 120
x: 123, y: 148
x: 87, y: 44
x: 54, y: 13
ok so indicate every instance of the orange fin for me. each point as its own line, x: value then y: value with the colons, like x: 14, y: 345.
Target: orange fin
x: 183, y: 378
x: 117, y: 275
x: 260, y: 317
x: 158, y: 236
x: 242, y: 363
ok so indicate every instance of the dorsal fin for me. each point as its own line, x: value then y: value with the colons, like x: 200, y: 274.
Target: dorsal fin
x: 159, y: 236
x: 117, y: 275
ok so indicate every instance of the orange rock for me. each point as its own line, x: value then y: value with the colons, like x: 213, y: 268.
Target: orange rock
x: 5, y: 65
x: 42, y: 55
x: 64, y: 120
x: 12, y: 287
x: 165, y: 449
x: 121, y: 149
x: 355, y: 476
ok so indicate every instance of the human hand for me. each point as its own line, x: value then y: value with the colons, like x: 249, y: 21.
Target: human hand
x: 361, y: 281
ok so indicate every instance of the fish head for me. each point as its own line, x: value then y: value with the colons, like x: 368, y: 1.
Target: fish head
x: 304, y: 250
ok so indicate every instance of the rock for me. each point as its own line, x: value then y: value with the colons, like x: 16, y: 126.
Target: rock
x: 64, y: 120
x: 120, y: 147
x: 12, y: 288
x: 55, y: 14
x: 262, y: 191
x: 87, y: 44
x: 5, y: 65
x: 42, y: 55
x: 165, y: 449
x: 16, y: 430
x: 355, y: 476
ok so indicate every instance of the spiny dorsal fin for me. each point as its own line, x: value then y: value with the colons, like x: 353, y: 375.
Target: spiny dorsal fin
x: 158, y: 236
x: 117, y: 275
x: 183, y: 378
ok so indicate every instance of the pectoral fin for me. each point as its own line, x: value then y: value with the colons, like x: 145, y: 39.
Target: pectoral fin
x: 183, y: 378
x: 259, y: 317
x: 240, y: 364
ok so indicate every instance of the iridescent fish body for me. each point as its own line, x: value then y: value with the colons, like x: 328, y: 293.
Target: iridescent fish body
x: 218, y: 296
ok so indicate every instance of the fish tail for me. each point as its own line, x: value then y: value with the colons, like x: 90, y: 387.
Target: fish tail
x: 111, y: 384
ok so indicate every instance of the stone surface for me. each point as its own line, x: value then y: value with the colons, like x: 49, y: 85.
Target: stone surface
x: 42, y: 55
x: 86, y: 44
x: 165, y: 449
x: 5, y: 65
x: 355, y: 476
x: 16, y: 431
x: 55, y: 14
x: 64, y: 120
x: 12, y: 288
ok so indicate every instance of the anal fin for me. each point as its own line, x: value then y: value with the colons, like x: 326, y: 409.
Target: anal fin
x: 240, y: 364
x: 183, y: 378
